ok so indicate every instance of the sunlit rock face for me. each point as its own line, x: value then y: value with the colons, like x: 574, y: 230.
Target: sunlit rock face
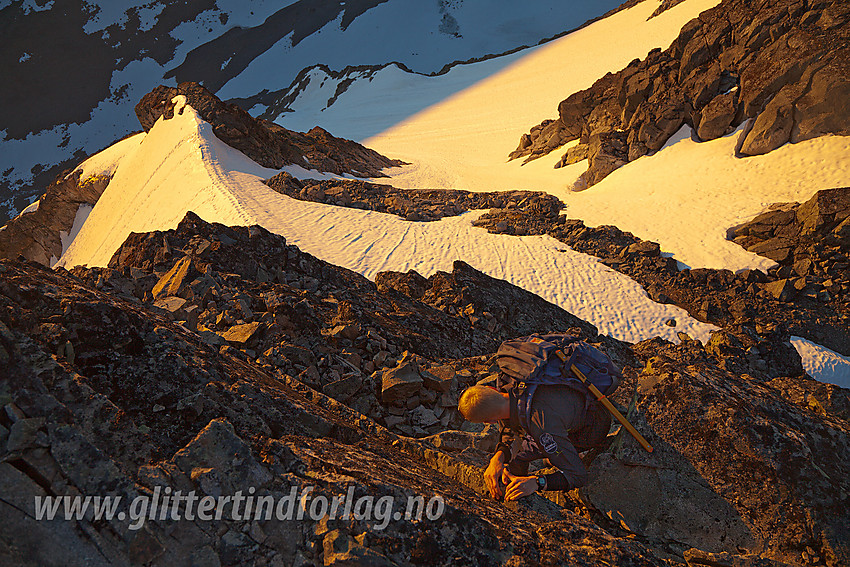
x: 783, y: 66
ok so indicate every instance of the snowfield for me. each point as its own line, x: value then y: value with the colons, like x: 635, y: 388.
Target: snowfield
x: 106, y: 161
x: 424, y: 36
x: 181, y: 166
x: 823, y: 364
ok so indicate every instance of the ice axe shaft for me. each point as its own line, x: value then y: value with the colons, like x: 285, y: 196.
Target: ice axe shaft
x: 607, y: 403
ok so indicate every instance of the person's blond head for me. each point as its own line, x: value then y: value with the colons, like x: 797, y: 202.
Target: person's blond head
x: 480, y: 404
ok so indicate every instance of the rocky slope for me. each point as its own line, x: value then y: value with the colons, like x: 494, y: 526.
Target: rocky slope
x: 37, y: 235
x: 219, y: 359
x: 809, y: 241
x: 781, y: 67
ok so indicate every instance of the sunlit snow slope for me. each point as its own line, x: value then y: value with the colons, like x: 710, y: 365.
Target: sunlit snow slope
x: 181, y: 166
x: 124, y: 48
x: 685, y: 197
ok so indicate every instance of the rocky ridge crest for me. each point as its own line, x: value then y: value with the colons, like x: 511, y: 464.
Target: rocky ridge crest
x: 265, y: 142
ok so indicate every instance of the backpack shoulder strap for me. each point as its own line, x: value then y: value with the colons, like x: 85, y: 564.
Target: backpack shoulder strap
x: 525, y: 397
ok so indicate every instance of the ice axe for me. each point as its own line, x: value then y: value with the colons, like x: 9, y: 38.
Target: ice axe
x: 607, y: 403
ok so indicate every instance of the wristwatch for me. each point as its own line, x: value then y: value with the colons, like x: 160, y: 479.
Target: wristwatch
x: 541, y: 483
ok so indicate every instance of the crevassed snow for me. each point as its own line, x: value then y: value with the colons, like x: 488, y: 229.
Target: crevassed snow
x: 180, y: 166
x: 685, y: 197
x: 823, y: 364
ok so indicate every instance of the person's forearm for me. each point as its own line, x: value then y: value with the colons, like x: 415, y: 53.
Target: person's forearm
x: 570, y: 474
x: 503, y: 452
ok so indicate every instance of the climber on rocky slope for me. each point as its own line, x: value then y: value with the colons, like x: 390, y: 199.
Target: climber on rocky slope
x: 553, y: 413
x: 560, y: 427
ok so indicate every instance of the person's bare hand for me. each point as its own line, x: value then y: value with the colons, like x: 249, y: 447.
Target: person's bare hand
x: 506, y: 476
x: 520, y: 486
x: 492, y: 475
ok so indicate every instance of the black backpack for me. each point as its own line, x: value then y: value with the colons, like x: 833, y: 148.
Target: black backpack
x: 529, y: 362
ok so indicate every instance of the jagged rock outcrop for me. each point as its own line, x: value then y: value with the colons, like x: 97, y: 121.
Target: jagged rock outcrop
x: 811, y: 243
x: 105, y: 391
x: 37, y: 235
x: 780, y: 65
x: 265, y: 142
x: 664, y: 6
x: 411, y: 204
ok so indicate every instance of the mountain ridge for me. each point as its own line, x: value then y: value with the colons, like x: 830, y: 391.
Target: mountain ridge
x: 193, y: 395
x: 124, y: 60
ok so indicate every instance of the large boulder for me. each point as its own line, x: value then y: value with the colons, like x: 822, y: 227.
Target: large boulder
x: 242, y: 335
x: 401, y: 382
x: 825, y: 208
x: 220, y: 462
x: 825, y: 108
x: 605, y: 153
x: 717, y: 116
x: 773, y: 126
x: 175, y: 279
